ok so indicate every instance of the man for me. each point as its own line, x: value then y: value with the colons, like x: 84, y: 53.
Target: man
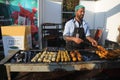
x: 76, y: 32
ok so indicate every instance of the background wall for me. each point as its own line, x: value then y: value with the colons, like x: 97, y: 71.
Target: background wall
x: 103, y: 14
x: 52, y: 11
x: 89, y: 13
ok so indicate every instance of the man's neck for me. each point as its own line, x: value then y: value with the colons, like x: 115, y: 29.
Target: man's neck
x: 79, y: 20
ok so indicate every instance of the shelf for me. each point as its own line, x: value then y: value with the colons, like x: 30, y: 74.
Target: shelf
x: 68, y: 12
x: 50, y: 24
x: 51, y: 32
x: 50, y: 29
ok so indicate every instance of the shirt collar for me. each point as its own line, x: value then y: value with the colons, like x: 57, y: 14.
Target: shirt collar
x: 76, y: 22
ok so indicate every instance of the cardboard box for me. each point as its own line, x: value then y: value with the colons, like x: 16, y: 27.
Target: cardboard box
x: 16, y: 38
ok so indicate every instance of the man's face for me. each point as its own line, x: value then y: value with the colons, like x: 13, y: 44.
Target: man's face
x: 80, y: 13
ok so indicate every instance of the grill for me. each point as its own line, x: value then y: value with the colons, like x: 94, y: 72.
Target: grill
x: 88, y: 55
x: 20, y: 61
x: 26, y: 56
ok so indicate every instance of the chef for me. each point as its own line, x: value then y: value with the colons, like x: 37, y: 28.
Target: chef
x: 76, y: 31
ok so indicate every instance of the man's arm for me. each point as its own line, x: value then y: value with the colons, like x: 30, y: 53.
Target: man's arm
x: 94, y: 43
x: 74, y: 39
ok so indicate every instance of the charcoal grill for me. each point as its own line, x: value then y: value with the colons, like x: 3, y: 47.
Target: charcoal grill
x: 20, y: 61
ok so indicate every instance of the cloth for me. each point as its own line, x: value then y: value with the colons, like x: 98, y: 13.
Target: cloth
x: 79, y: 7
x: 28, y: 14
x: 15, y: 16
x: 69, y: 28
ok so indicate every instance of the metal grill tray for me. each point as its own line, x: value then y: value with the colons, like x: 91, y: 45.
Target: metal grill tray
x: 26, y: 56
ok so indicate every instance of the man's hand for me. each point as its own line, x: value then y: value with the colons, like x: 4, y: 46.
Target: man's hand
x: 94, y: 42
x: 77, y: 40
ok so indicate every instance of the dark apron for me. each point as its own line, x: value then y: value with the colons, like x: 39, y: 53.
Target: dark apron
x: 70, y: 45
